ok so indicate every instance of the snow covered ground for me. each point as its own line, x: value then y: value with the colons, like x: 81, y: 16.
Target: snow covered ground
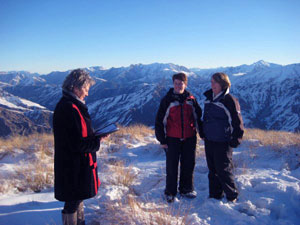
x: 132, y: 171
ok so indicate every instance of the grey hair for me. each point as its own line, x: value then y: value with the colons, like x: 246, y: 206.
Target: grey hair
x: 77, y: 79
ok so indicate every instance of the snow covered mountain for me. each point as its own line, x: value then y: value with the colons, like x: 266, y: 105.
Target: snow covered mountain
x: 268, y: 93
x: 21, y: 116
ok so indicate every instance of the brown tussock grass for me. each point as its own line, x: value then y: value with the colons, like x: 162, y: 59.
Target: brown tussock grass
x: 273, y: 138
x: 133, y: 211
x: 35, y: 171
x: 35, y: 177
x: 26, y: 143
x: 121, y: 174
x: 126, y: 137
x: 135, y: 131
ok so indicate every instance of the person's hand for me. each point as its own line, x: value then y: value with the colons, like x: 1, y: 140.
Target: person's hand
x: 164, y: 146
x: 234, y: 143
x: 105, y: 137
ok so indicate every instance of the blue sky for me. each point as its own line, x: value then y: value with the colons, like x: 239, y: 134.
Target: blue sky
x: 47, y: 35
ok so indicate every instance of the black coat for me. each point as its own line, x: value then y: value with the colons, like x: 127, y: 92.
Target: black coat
x: 222, y: 120
x: 75, y: 162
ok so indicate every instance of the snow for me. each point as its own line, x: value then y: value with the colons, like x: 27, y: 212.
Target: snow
x: 3, y: 101
x: 39, y: 208
x: 268, y: 180
x: 100, y: 79
x: 238, y: 74
x: 18, y: 103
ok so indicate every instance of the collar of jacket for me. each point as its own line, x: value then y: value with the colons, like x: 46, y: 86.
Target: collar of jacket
x: 178, y: 97
x: 69, y: 95
x: 209, y: 95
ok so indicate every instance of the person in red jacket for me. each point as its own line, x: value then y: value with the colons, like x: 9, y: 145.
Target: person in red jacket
x: 75, y: 146
x: 177, y: 120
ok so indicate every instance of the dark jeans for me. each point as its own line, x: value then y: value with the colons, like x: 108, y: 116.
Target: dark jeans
x: 220, y: 176
x: 71, y: 206
x: 183, y: 151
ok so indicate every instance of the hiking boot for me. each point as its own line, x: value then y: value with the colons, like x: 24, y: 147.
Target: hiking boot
x: 170, y: 198
x: 191, y: 194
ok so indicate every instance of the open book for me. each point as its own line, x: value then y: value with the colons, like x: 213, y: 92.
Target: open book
x: 111, y: 128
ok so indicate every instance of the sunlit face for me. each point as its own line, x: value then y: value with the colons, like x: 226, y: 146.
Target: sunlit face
x: 179, y: 86
x: 81, y: 93
x: 215, y: 86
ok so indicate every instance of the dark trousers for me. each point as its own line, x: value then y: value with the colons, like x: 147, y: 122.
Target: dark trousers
x: 183, y: 151
x: 72, y: 206
x: 220, y: 176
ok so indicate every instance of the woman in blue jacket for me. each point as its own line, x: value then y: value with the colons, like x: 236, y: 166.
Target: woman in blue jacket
x: 223, y: 130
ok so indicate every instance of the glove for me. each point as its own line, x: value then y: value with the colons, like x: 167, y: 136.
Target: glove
x: 234, y: 143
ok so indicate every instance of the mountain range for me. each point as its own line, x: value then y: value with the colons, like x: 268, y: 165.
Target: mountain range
x: 268, y: 94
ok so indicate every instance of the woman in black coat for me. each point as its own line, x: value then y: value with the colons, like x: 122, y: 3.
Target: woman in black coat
x: 223, y: 130
x: 75, y: 162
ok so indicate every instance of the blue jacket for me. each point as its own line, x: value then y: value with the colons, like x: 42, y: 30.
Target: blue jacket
x: 222, y: 120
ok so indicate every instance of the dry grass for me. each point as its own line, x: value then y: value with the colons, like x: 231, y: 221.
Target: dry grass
x: 25, y: 143
x: 127, y: 137
x: 135, y: 131
x: 35, y: 176
x: 121, y: 174
x: 16, y: 142
x: 35, y: 169
x: 281, y: 142
x: 276, y: 139
x: 133, y: 211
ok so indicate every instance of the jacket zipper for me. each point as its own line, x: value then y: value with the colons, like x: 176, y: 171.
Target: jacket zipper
x: 182, y: 125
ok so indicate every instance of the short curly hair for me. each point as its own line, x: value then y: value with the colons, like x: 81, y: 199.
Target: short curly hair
x: 180, y: 76
x: 77, y: 79
x: 222, y: 79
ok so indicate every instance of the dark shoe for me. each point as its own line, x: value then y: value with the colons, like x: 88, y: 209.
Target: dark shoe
x: 218, y: 197
x: 69, y: 218
x: 191, y: 194
x: 170, y: 198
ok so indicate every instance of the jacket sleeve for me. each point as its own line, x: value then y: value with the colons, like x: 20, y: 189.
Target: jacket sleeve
x: 237, y: 122
x: 75, y: 138
x: 159, y: 125
x: 199, y: 116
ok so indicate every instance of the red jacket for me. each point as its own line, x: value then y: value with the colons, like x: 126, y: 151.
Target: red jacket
x: 178, y: 116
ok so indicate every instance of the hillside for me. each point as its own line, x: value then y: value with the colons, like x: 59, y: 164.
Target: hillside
x: 132, y: 171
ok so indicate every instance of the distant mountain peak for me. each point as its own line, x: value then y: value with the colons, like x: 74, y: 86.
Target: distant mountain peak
x: 95, y: 68
x: 261, y: 63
